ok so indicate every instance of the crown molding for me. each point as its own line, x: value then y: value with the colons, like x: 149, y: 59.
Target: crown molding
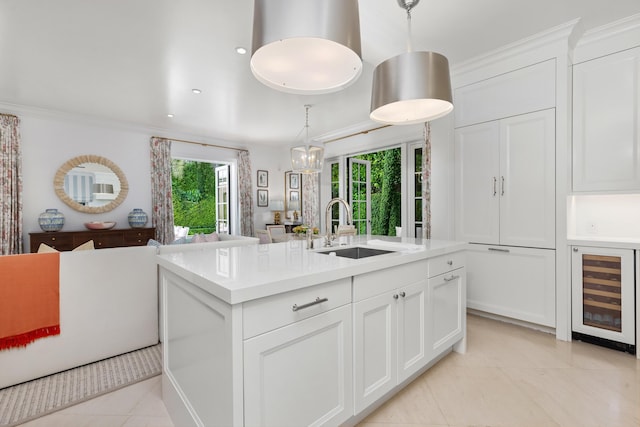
x: 610, y: 38
x: 548, y: 44
x: 24, y: 111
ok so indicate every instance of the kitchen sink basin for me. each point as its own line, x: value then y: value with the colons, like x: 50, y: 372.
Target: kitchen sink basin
x: 356, y: 252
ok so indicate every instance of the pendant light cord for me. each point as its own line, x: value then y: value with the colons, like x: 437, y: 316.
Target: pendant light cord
x: 409, y: 43
x: 306, y: 125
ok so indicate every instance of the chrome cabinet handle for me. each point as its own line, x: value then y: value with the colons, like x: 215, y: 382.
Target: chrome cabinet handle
x: 402, y: 294
x: 395, y: 296
x: 318, y: 300
x: 450, y: 262
x: 495, y: 184
x: 502, y: 191
x: 498, y: 250
x: 451, y: 278
x: 575, y: 249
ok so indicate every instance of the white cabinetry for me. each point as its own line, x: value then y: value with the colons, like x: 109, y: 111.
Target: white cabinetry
x: 513, y: 282
x: 505, y: 181
x: 521, y: 91
x: 389, y: 330
x: 300, y: 374
x: 606, y: 115
x: 297, y: 342
x: 446, y: 296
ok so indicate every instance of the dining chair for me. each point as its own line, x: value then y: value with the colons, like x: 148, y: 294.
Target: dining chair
x: 263, y: 236
x: 276, y: 230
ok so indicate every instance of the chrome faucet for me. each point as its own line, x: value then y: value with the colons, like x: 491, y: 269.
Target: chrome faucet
x: 327, y: 219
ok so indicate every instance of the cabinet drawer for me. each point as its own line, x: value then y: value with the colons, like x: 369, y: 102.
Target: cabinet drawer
x: 444, y: 263
x: 375, y: 283
x: 60, y: 242
x: 266, y: 314
x: 138, y: 237
x: 100, y: 241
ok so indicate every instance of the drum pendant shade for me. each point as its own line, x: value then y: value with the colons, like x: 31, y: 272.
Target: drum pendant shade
x: 412, y: 87
x: 306, y: 46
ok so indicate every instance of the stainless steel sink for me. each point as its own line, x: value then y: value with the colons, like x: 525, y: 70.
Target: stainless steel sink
x: 355, y: 252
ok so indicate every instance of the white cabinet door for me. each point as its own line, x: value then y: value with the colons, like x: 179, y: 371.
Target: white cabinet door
x: 606, y: 132
x: 446, y: 312
x: 375, y: 348
x: 505, y: 181
x: 513, y: 282
x: 602, y: 283
x: 477, y: 173
x: 527, y: 180
x: 301, y: 374
x: 412, y: 349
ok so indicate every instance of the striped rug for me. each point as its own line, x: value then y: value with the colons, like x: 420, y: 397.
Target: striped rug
x: 33, y: 399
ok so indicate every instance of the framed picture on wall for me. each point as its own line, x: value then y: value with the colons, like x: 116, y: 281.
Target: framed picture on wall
x: 294, y: 180
x: 263, y: 178
x: 263, y: 198
x: 293, y: 199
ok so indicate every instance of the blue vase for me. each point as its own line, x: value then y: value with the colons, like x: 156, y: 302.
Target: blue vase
x: 51, y: 220
x: 137, y: 218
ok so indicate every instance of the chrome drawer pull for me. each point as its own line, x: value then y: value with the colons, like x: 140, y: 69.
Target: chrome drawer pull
x: 499, y: 250
x: 451, y: 278
x: 318, y: 300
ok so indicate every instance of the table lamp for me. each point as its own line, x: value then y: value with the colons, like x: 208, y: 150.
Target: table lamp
x: 295, y: 205
x: 276, y: 207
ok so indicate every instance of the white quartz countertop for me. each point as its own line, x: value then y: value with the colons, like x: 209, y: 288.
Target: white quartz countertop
x: 243, y: 273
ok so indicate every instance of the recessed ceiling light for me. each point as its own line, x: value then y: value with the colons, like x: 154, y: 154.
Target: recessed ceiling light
x: 196, y: 91
x: 170, y: 116
x: 241, y: 50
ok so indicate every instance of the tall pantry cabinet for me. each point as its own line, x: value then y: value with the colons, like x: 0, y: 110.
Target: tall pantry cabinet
x: 505, y: 196
x: 606, y: 123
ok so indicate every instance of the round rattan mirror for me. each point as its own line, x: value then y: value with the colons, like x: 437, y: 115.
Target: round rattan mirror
x: 91, y: 184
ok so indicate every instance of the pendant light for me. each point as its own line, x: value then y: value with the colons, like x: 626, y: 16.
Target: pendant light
x: 413, y: 87
x: 308, y: 157
x: 306, y: 46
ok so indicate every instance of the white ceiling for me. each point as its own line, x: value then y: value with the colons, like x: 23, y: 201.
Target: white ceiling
x: 137, y: 60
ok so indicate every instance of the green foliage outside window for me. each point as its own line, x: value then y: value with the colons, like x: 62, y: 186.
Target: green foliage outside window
x: 194, y: 195
x: 386, y: 189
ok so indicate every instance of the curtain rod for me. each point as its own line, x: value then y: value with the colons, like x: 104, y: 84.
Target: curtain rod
x: 362, y: 132
x: 202, y: 144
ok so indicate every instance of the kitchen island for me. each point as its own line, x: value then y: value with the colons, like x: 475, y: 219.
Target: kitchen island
x: 280, y: 335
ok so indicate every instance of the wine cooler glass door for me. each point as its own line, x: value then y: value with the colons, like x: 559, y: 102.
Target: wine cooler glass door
x: 603, y: 293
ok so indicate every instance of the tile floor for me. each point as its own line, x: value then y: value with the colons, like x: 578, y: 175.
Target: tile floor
x: 510, y: 376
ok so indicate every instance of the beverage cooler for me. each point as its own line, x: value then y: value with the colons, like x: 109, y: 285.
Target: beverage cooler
x: 603, y: 296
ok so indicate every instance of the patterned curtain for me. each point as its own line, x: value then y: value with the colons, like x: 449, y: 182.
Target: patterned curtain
x: 245, y: 190
x: 426, y: 182
x: 11, y: 188
x: 161, y: 198
x: 310, y: 196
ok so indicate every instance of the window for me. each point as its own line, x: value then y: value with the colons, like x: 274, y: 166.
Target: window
x: 200, y: 196
x: 417, y: 191
x: 380, y: 176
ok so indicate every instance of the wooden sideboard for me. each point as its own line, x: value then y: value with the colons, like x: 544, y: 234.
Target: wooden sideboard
x: 102, y: 239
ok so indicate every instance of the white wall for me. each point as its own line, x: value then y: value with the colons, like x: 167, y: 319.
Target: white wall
x: 49, y: 139
x: 610, y: 216
x: 276, y: 161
